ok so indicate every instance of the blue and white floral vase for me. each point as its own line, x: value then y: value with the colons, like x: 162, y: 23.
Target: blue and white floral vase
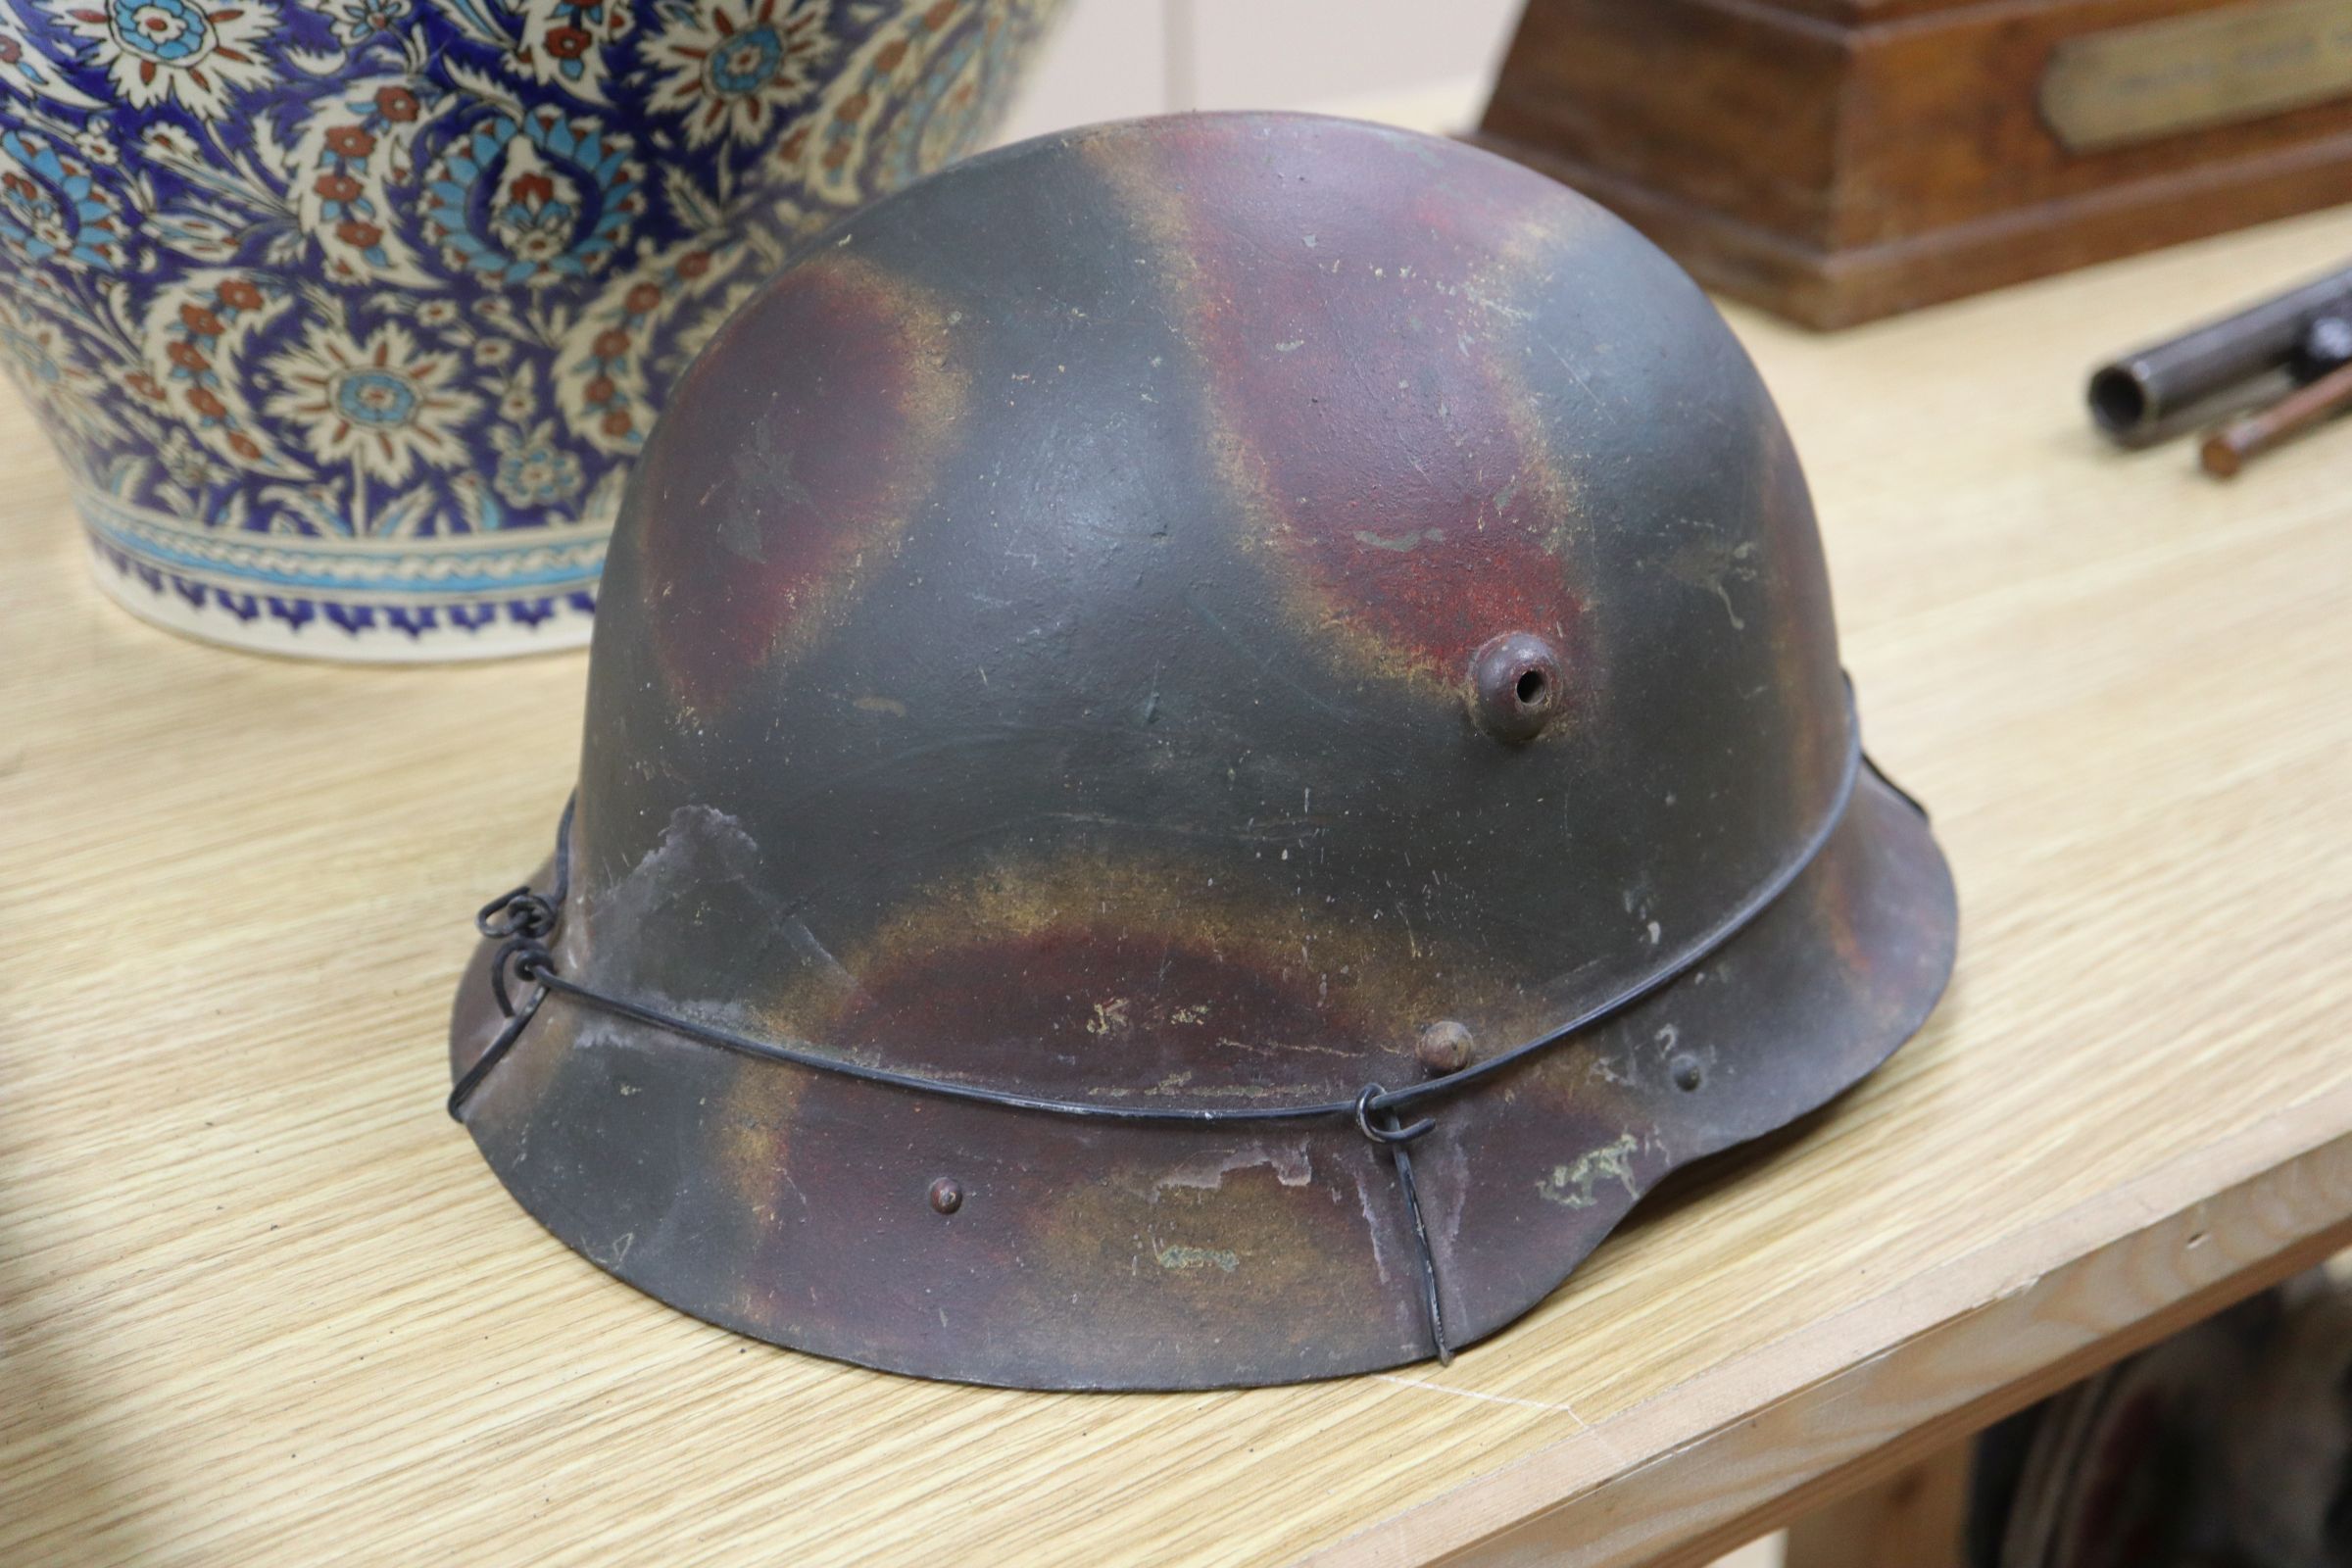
x: 348, y: 318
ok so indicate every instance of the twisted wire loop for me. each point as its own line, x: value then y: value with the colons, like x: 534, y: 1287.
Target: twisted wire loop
x: 1398, y: 1140
x: 524, y: 923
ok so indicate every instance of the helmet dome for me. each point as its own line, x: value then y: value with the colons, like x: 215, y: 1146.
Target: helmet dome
x: 1196, y: 614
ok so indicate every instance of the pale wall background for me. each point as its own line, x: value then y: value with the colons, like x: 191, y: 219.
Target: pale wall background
x: 1114, y: 58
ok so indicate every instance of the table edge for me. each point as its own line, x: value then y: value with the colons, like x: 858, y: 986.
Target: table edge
x: 1737, y: 1460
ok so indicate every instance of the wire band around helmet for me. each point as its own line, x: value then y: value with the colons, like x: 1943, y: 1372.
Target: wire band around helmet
x: 524, y: 921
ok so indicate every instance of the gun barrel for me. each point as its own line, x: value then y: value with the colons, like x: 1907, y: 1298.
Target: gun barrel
x: 2133, y: 397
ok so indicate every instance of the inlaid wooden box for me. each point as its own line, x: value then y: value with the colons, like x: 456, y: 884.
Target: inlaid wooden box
x: 1841, y: 159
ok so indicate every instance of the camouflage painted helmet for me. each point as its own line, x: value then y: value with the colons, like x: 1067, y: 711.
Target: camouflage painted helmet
x: 1211, y: 743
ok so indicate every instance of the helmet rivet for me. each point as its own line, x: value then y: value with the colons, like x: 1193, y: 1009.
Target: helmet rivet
x: 1515, y: 686
x: 1443, y: 1048
x: 947, y: 1194
x: 1685, y: 1070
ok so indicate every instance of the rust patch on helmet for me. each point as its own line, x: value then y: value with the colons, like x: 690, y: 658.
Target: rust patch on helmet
x: 1358, y: 341
x: 1131, y: 980
x: 758, y: 544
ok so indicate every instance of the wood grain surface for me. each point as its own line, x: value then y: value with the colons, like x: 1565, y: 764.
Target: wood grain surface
x: 1917, y: 1518
x: 1838, y: 161
x: 260, y: 1303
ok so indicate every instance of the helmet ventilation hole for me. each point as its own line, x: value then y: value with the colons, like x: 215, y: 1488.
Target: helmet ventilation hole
x: 1515, y: 686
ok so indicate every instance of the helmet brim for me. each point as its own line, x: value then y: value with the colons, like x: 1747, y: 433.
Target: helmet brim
x: 1107, y: 1257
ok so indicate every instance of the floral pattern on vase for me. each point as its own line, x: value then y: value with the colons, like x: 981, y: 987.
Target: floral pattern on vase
x: 348, y: 318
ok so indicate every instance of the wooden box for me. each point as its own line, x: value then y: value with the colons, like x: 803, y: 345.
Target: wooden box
x: 1840, y: 160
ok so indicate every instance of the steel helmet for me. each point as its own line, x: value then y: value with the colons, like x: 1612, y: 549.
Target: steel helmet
x: 1210, y: 741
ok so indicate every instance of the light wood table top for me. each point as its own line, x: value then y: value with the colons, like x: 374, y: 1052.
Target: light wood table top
x: 261, y: 1303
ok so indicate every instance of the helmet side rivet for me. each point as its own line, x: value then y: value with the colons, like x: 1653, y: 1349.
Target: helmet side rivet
x: 1443, y: 1048
x: 947, y: 1194
x: 1687, y: 1072
x: 1515, y: 686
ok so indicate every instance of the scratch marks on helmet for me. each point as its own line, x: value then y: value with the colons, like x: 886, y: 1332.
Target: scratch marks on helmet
x: 1710, y: 562
x: 1177, y: 1255
x: 1572, y: 1185
x: 1290, y: 1162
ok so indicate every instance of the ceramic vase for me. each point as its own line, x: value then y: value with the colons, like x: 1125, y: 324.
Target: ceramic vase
x: 347, y: 319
